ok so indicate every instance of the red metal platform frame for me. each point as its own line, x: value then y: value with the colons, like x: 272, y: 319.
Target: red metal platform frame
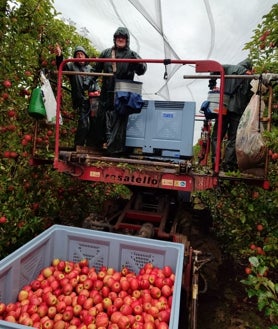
x: 112, y: 173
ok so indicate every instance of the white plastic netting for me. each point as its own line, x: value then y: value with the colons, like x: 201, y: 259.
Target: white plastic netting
x: 174, y: 29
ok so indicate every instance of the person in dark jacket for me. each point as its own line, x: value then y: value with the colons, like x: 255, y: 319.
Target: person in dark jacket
x: 239, y: 92
x: 110, y: 127
x: 81, y: 85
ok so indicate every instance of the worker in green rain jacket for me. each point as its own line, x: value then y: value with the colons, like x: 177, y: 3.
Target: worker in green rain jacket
x: 110, y: 128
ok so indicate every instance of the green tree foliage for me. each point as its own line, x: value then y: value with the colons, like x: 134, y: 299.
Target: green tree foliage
x: 34, y: 197
x: 245, y: 215
x: 263, y: 45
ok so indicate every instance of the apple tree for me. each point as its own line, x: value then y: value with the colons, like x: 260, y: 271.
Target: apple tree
x: 244, y: 215
x: 34, y: 197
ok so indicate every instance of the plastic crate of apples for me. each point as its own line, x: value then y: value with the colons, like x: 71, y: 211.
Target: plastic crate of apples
x: 82, y: 279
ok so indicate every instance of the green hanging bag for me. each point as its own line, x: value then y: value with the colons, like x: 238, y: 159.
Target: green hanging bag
x: 36, y: 107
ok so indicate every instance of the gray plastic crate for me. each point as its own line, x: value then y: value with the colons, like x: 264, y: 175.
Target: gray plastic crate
x: 100, y: 248
x: 164, y: 126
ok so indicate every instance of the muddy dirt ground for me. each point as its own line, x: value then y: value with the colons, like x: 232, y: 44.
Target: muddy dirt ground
x: 224, y: 305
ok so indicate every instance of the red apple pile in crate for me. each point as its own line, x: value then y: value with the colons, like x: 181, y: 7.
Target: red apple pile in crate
x: 68, y: 295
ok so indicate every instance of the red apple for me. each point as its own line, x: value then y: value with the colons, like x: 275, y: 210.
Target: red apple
x: 166, y: 290
x: 22, y: 295
x: 122, y: 294
x: 23, y: 317
x: 88, y: 283
x: 61, y: 306
x: 162, y: 325
x: 58, y: 317
x: 68, y: 267
x: 138, y: 309
x: 139, y: 318
x: 99, y: 307
x: 113, y: 295
x: 101, y: 320
x: 82, y: 278
x: 81, y: 299
x: 68, y: 300
x: 60, y: 324
x: 2, y: 308
x: 55, y: 261
x: 85, y: 292
x: 148, y: 267
x: 111, y: 309
x: 75, y: 321
x: 98, y: 284
x: 3, y: 219
x: 73, y: 274
x: 67, y: 289
x: 87, y: 319
x: 11, y: 113
x: 7, y: 83
x: 136, y: 294
x: 146, y: 296
x: 59, y: 275
x: 51, y: 312
x: 44, y: 283
x: 35, y: 317
x: 118, y: 302
x: 88, y: 303
x: 47, y: 272
x: 159, y: 282
x: 42, y: 310
x: 144, y: 284
x: 84, y: 262
x: 155, y: 292
x: 147, y: 306
x: 117, y: 276
x: 126, y: 309
x: 73, y: 282
x: 153, y: 310
x: 61, y: 265
x: 110, y: 270
x: 123, y: 322
x: 167, y: 270
x: 137, y: 325
x: 85, y: 270
x: 5, y: 96
x: 93, y: 311
x: 97, y: 298
x: 32, y: 308
x: 10, y: 318
x: 152, y: 278
x: 148, y: 317
x: 106, y: 302
x: 105, y: 291
x: 134, y: 284
x: 124, y: 283
x: 113, y: 326
x: 163, y: 316
x: 131, y: 318
x: 92, y: 274
x: 79, y: 288
x: 35, y: 284
x: 77, y: 309
x: 115, y: 317
x: 124, y: 271
x: 68, y: 315
x: 116, y: 287
x: 48, y: 324
x: 54, y: 284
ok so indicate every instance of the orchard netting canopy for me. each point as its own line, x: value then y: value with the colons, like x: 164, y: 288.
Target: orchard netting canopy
x: 171, y: 29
